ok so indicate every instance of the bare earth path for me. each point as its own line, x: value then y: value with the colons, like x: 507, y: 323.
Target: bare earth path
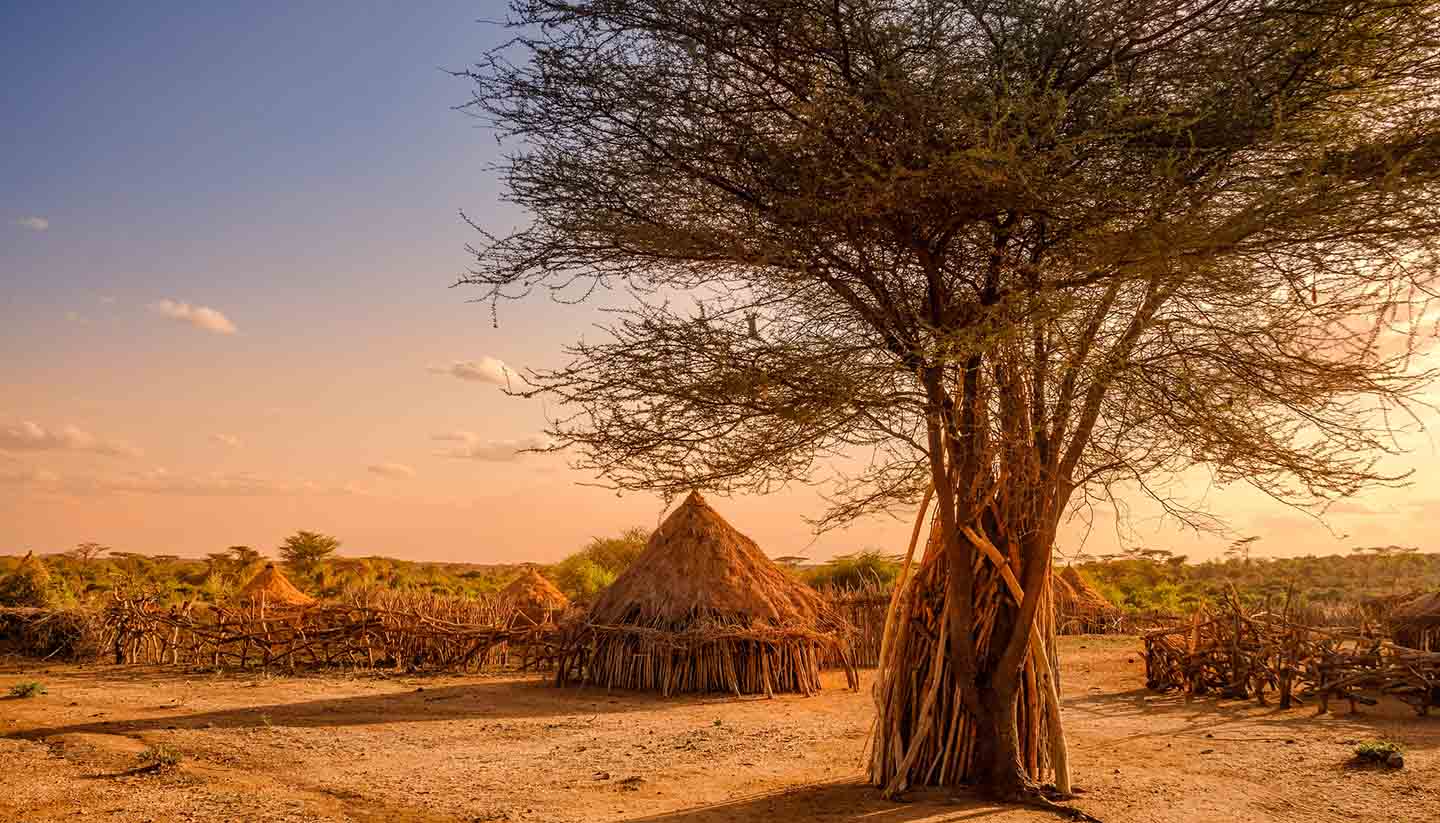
x: 417, y: 750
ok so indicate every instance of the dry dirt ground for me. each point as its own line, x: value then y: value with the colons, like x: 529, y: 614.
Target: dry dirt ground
x: 417, y: 750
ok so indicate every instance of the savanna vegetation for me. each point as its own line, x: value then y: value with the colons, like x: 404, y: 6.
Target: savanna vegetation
x: 1143, y: 580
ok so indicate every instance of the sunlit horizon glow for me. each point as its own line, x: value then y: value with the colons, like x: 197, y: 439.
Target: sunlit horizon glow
x: 228, y: 316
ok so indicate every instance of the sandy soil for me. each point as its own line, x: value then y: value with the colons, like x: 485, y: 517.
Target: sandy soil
x: 423, y: 750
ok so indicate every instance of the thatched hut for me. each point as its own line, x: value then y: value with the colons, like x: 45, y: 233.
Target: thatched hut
x: 534, y: 597
x: 271, y: 588
x: 1416, y: 623
x: 28, y: 585
x: 1080, y: 608
x: 702, y: 609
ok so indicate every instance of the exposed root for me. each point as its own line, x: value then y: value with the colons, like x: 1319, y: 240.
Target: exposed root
x: 1036, y: 798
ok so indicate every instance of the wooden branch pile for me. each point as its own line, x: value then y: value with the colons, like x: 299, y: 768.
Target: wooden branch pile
x: 1240, y: 655
x: 50, y: 634
x: 365, y: 634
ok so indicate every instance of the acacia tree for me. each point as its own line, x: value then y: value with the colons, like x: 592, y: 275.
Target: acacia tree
x: 1014, y: 252
x: 304, y: 551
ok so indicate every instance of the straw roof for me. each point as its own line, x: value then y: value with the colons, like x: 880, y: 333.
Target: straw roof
x: 533, y: 594
x: 1424, y: 609
x: 271, y: 587
x: 1081, y: 595
x: 698, y: 566
x: 34, y: 567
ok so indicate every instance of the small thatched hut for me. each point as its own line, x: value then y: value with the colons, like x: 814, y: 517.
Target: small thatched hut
x: 702, y: 609
x: 1080, y: 608
x: 271, y: 588
x: 28, y: 585
x: 534, y: 597
x: 1416, y: 623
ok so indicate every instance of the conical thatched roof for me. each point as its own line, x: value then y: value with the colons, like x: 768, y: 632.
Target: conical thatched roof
x: 34, y: 567
x: 698, y: 566
x: 1083, y: 595
x: 272, y: 588
x: 533, y: 594
x: 1424, y: 609
x: 27, y: 585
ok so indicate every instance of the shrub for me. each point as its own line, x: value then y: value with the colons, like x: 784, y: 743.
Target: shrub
x: 161, y: 757
x: 869, y: 567
x: 1377, y: 751
x: 27, y: 689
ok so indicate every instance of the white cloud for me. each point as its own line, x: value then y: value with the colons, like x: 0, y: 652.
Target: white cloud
x: 33, y: 223
x: 75, y: 317
x: 474, y: 447
x: 201, y: 317
x: 164, y: 482
x: 27, y: 435
x: 485, y: 370
x: 227, y: 440
x: 390, y: 470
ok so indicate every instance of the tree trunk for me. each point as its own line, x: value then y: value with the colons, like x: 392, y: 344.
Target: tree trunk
x: 945, y: 719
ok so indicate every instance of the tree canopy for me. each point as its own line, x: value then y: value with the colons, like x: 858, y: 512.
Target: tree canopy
x: 1011, y: 251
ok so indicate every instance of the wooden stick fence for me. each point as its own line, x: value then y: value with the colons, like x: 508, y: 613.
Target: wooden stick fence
x: 371, y: 632
x: 1239, y: 655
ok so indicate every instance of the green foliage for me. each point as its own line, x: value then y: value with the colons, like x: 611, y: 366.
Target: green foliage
x: 27, y: 585
x: 585, y: 573
x: 27, y: 689
x: 869, y: 567
x: 161, y: 756
x: 77, y: 582
x: 1380, y: 752
x: 1141, y: 583
x: 304, y: 551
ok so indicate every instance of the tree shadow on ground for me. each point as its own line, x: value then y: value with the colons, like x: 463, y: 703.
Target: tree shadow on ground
x: 508, y: 699
x: 844, y: 802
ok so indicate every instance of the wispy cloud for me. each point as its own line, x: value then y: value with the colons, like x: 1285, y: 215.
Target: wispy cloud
x: 27, y: 435
x: 201, y: 317
x: 390, y: 470
x: 485, y: 370
x: 164, y: 482
x: 227, y: 440
x: 474, y: 447
x: 33, y: 223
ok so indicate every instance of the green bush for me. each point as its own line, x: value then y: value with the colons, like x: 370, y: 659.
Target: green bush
x: 28, y: 689
x: 1378, y: 751
x: 866, y: 568
x: 585, y: 573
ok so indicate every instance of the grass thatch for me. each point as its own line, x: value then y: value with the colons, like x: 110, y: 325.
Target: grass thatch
x: 28, y: 585
x: 271, y: 588
x: 533, y: 597
x: 1080, y: 607
x: 703, y: 609
x: 1416, y: 623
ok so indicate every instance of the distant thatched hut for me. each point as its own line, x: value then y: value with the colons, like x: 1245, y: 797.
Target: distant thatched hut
x: 702, y: 609
x: 1080, y: 608
x: 28, y: 585
x: 1416, y: 623
x: 534, y: 597
x: 271, y: 588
